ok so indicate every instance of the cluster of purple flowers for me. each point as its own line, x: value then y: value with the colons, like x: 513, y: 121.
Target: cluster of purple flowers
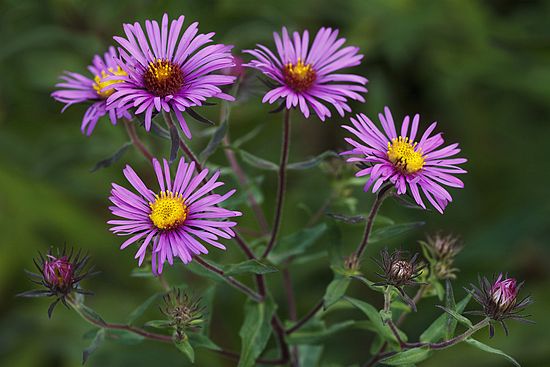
x: 167, y: 68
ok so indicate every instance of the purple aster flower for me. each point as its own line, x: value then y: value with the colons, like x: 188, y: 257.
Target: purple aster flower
x: 77, y: 88
x: 307, y: 76
x: 403, y: 161
x: 174, y: 221
x: 166, y: 72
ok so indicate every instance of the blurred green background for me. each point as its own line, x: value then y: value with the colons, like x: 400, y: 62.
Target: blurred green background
x: 480, y: 68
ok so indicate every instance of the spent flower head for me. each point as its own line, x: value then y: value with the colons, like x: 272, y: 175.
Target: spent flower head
x: 440, y: 251
x: 399, y: 270
x: 59, y: 274
x: 499, y: 300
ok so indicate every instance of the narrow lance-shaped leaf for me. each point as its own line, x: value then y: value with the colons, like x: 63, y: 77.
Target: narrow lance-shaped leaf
x: 385, y: 233
x: 96, y: 342
x: 186, y: 348
x: 336, y: 290
x: 313, y: 162
x: 175, y: 140
x: 255, y: 330
x: 436, y: 331
x: 134, y: 315
x: 486, y: 348
x: 296, y: 243
x: 407, y: 357
x: 112, y: 159
x: 317, y: 337
x: 257, y: 162
x: 214, y: 142
x: 249, y: 266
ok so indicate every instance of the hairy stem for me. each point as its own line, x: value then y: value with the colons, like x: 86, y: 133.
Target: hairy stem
x: 419, y: 294
x: 232, y: 281
x: 244, y: 183
x: 134, y: 138
x: 382, y: 194
x: 306, y: 318
x: 281, y: 188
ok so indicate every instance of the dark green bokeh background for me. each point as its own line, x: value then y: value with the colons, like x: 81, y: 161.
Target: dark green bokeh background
x: 480, y: 68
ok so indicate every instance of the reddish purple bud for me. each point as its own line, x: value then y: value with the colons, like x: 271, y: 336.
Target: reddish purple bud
x: 58, y: 272
x: 504, y: 292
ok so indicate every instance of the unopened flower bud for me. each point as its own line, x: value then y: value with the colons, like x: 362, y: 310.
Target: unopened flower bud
x: 397, y: 270
x: 504, y: 292
x: 58, y: 272
x: 499, y: 300
x: 443, y: 247
x: 401, y: 270
x: 183, y: 311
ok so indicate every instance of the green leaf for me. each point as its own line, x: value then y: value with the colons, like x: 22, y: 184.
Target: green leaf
x: 175, y: 143
x: 310, y: 355
x: 247, y: 137
x: 450, y: 304
x: 202, y: 272
x: 112, y: 159
x: 134, y: 315
x: 382, y: 234
x: 316, y: 337
x: 96, y: 342
x: 208, y: 303
x: 214, y: 142
x: 407, y: 357
x: 368, y: 283
x: 124, y: 336
x: 335, y: 290
x: 87, y: 312
x: 436, y: 331
x: 257, y: 162
x: 335, y: 245
x: 486, y: 348
x: 255, y: 330
x: 202, y: 341
x: 313, y: 162
x: 372, y: 314
x: 296, y: 243
x: 463, y: 320
x: 249, y: 266
x: 158, y: 324
x: 185, y: 347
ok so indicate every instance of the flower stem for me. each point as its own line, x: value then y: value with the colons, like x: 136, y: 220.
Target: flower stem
x: 382, y: 195
x: 134, y: 138
x: 232, y: 281
x: 244, y: 183
x: 281, y: 188
x: 107, y: 325
x: 306, y: 318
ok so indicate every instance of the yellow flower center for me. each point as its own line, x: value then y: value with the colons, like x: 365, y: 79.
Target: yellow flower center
x: 163, y: 78
x: 299, y: 76
x: 168, y: 211
x: 403, y: 155
x: 100, y: 82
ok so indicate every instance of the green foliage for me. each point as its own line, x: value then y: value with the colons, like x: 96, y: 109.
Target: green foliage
x: 488, y: 349
x: 250, y: 266
x: 255, y: 330
x: 407, y: 357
